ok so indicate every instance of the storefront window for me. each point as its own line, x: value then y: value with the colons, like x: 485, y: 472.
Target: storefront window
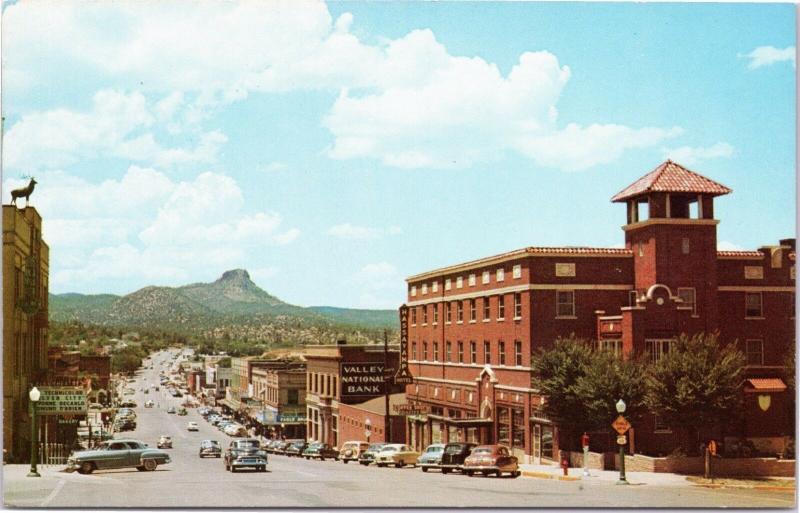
x: 454, y: 433
x: 548, y: 448
x: 518, y: 434
x: 502, y: 426
x: 436, y: 433
x: 472, y: 435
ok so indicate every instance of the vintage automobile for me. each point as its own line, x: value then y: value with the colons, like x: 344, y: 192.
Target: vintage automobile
x: 171, y: 409
x: 192, y: 426
x: 164, y: 442
x: 270, y: 445
x: 368, y: 456
x: 245, y: 452
x: 350, y: 451
x: 117, y: 454
x: 296, y: 448
x: 431, y: 458
x: 149, y: 404
x: 282, y: 447
x: 491, y: 459
x: 210, y: 448
x: 454, y: 455
x: 398, y: 455
x: 320, y: 451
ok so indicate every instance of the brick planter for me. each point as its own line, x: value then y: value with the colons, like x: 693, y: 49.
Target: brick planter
x: 720, y: 467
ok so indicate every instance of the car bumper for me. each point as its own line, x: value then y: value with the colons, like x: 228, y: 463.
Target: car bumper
x: 487, y: 468
x: 428, y: 464
x: 450, y: 466
x: 249, y: 462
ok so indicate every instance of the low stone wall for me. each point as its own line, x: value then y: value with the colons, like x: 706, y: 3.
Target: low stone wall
x: 596, y: 460
x: 755, y: 467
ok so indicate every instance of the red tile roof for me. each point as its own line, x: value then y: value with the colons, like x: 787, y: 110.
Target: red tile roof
x: 581, y: 251
x: 766, y: 384
x: 740, y: 253
x: 671, y: 177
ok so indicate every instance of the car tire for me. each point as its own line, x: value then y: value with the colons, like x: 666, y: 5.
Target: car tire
x: 516, y: 473
x: 140, y: 468
x: 498, y: 473
x: 424, y: 469
x: 219, y: 455
x: 470, y: 473
x: 150, y: 465
x: 485, y: 472
x: 87, y: 467
x: 345, y: 461
x: 445, y: 471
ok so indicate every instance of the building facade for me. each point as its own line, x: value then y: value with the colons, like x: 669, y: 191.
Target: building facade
x: 343, y: 374
x: 25, y: 297
x: 367, y: 421
x: 281, y: 389
x: 473, y: 327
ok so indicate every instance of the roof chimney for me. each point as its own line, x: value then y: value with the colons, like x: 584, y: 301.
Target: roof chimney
x: 788, y: 242
x: 341, y: 342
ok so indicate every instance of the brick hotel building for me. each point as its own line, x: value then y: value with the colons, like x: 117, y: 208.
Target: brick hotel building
x: 472, y: 327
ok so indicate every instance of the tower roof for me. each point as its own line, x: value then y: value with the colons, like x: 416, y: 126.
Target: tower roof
x: 671, y: 177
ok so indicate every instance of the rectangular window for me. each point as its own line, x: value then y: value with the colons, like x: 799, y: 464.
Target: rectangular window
x: 485, y: 277
x: 516, y: 272
x: 459, y: 282
x: 471, y: 280
x: 501, y: 274
x: 449, y: 313
x: 424, y: 288
x: 425, y: 351
x: 641, y: 249
x: 447, y: 284
x: 436, y: 313
x: 503, y: 423
x: 687, y: 294
x: 414, y: 316
x: 752, y: 301
x: 518, y: 353
x: 435, y: 351
x: 487, y: 352
x: 657, y: 348
x: 424, y: 314
x: 685, y: 246
x: 413, y: 350
x: 435, y: 286
x: 518, y: 305
x: 473, y: 310
x: 613, y: 345
x: 501, y: 352
x: 460, y: 311
x: 292, y: 397
x: 632, y: 297
x: 755, y: 352
x: 518, y: 432
x: 473, y: 352
x: 413, y: 290
x: 448, y: 351
x: 501, y: 307
x: 487, y: 311
x: 460, y: 352
x: 565, y: 303
x: 659, y: 426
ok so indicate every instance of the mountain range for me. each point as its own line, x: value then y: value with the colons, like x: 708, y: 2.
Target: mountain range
x: 232, y: 305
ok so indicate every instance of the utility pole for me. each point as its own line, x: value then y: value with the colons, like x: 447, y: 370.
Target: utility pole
x: 387, y: 426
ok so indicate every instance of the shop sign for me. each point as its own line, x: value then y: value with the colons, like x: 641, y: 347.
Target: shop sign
x: 411, y: 409
x: 360, y: 379
x: 61, y: 400
x: 292, y: 417
x: 403, y: 376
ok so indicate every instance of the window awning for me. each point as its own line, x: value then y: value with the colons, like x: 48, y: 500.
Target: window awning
x: 764, y: 385
x: 475, y: 422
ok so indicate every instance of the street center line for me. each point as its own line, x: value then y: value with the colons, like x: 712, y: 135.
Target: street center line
x: 59, y: 486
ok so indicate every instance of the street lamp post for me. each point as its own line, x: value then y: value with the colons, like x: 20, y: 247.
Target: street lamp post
x: 34, y: 396
x: 621, y: 409
x: 368, y: 430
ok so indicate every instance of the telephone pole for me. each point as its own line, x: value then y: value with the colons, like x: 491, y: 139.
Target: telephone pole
x: 387, y: 426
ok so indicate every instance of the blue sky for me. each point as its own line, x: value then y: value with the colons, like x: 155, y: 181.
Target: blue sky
x: 334, y: 149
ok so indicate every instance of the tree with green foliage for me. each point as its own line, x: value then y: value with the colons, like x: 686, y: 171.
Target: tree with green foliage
x: 696, y: 385
x: 125, y: 360
x: 224, y: 363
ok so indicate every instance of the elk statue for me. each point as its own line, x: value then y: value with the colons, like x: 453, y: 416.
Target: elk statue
x: 24, y: 192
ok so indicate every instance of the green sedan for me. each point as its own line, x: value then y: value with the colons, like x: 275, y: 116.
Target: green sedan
x: 117, y: 454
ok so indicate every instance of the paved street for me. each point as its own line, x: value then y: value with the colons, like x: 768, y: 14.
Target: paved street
x: 193, y: 482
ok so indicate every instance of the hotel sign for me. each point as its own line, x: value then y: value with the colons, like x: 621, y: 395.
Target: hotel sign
x: 61, y: 401
x: 403, y: 376
x: 361, y: 379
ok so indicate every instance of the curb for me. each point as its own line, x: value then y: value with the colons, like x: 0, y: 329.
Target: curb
x: 786, y: 489
x: 545, y: 475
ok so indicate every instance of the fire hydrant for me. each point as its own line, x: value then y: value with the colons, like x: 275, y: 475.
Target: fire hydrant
x: 565, y: 465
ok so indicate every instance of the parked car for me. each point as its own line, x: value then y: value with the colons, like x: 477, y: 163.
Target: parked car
x: 284, y: 445
x: 171, y: 409
x: 164, y: 442
x: 210, y: 448
x: 454, y: 455
x: 149, y: 404
x: 431, y: 457
x: 368, y: 456
x: 296, y: 448
x: 491, y: 459
x: 350, y: 451
x: 398, y: 455
x: 245, y: 452
x: 117, y: 454
x: 320, y: 451
x: 192, y: 426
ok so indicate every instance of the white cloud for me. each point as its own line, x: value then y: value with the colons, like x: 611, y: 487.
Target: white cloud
x: 769, y: 55
x: 407, y: 102
x: 381, y: 285
x: 689, y: 155
x: 354, y: 232
x: 117, y: 126
x: 145, y: 226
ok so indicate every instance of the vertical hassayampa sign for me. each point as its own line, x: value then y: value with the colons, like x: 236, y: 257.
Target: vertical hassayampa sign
x: 403, y: 376
x: 361, y: 379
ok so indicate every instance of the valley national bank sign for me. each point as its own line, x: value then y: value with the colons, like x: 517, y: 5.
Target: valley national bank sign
x: 361, y: 379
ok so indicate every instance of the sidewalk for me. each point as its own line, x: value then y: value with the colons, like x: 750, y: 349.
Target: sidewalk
x: 22, y: 491
x: 603, y: 476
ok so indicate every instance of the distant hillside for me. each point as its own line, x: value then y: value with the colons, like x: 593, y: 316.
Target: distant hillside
x: 232, y: 307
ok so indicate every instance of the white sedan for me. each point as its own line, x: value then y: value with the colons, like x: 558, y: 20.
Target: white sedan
x: 192, y: 426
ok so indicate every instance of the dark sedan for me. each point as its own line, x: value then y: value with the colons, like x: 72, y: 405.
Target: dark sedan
x: 454, y: 455
x: 368, y: 456
x: 320, y: 451
x: 296, y: 448
x: 210, y: 448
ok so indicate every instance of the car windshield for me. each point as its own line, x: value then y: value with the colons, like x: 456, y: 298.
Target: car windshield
x: 434, y: 449
x: 246, y: 444
x: 375, y: 447
x: 482, y: 450
x: 389, y: 449
x: 452, y: 449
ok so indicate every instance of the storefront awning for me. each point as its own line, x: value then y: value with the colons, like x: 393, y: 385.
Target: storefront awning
x: 470, y: 422
x: 764, y: 385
